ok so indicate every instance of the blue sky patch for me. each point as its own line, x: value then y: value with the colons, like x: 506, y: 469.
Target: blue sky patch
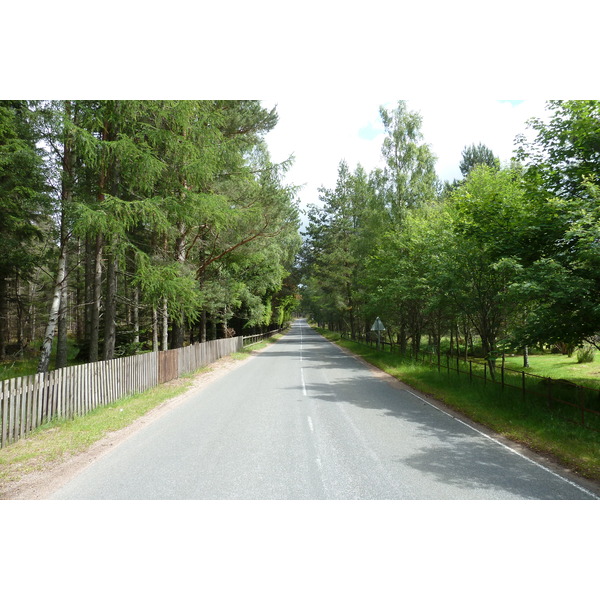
x: 368, y: 132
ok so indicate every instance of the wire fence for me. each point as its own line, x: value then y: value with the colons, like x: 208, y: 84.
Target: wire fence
x: 564, y: 399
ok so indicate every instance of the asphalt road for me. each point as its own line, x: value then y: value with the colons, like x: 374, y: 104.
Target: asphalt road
x: 304, y: 420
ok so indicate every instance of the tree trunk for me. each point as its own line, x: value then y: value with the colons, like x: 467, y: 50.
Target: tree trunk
x: 96, y: 298
x: 224, y: 324
x: 525, y: 357
x: 136, y: 315
x: 110, y: 308
x: 466, y: 330
x: 165, y: 326
x: 20, y: 316
x: 3, y: 316
x: 54, y: 309
x: 79, y: 298
x: 203, y: 327
x: 402, y: 337
x: 177, y: 329
x: 61, y: 344
x: 32, y: 314
x: 154, y: 329
x: 99, y: 248
x: 66, y: 197
x: 177, y: 334
x: 89, y: 289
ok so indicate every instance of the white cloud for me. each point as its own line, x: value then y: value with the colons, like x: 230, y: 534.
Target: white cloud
x: 450, y: 125
x: 320, y: 132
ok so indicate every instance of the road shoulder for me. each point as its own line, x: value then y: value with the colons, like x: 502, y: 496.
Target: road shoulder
x: 40, y: 484
x: 546, y: 461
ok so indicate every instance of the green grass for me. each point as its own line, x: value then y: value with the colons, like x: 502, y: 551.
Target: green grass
x: 60, y: 439
x: 506, y: 412
x: 558, y: 366
x: 27, y: 365
x: 18, y: 367
x: 248, y: 350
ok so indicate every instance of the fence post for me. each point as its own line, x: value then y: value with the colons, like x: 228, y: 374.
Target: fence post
x: 484, y: 373
x: 523, y: 382
x: 470, y: 370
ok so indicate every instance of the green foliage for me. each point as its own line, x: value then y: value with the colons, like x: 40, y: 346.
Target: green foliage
x: 565, y: 149
x: 24, y: 200
x: 172, y: 281
x: 340, y: 237
x: 510, y: 255
x: 477, y: 155
x: 410, y: 165
x: 586, y: 354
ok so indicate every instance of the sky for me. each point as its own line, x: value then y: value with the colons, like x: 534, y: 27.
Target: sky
x: 351, y: 130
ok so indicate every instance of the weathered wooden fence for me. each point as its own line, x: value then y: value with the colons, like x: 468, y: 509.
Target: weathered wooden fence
x: 28, y: 402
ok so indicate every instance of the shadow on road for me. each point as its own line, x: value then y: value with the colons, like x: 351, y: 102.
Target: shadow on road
x: 433, y: 443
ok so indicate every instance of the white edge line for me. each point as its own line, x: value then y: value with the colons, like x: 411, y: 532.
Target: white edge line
x: 575, y: 485
x: 508, y: 448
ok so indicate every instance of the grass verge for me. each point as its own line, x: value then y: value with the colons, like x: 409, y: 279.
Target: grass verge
x: 248, y: 350
x: 61, y: 438
x: 505, y: 411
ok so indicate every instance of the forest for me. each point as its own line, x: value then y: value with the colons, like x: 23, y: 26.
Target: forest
x: 128, y: 226
x: 505, y: 259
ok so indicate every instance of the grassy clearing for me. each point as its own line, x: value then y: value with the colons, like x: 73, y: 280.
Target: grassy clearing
x: 559, y: 366
x: 544, y: 364
x: 27, y: 365
x: 505, y: 412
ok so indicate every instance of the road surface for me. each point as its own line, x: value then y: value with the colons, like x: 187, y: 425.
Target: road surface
x: 304, y: 420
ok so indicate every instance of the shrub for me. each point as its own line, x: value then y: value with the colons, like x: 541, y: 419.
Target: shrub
x: 585, y: 354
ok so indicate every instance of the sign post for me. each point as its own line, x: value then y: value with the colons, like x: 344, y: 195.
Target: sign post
x: 378, y: 327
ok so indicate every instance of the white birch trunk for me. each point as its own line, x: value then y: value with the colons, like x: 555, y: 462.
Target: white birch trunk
x: 54, y: 310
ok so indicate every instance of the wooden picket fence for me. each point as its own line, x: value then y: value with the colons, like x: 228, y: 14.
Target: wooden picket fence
x: 28, y: 402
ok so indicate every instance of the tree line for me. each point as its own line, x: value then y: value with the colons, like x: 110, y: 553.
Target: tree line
x: 140, y: 225
x: 509, y: 255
